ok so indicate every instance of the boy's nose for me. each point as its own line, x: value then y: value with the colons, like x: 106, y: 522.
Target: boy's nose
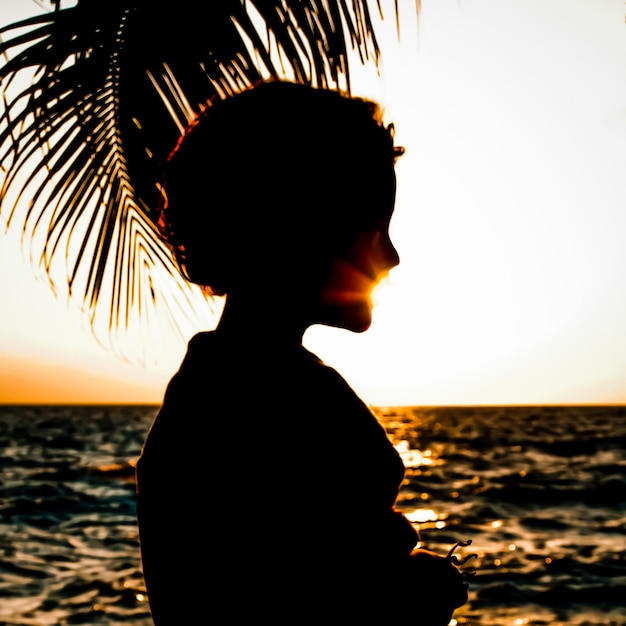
x: 388, y: 256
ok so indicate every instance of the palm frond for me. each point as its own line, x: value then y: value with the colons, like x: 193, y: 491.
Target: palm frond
x: 109, y: 88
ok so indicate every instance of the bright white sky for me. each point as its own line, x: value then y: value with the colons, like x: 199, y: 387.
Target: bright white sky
x: 510, y: 223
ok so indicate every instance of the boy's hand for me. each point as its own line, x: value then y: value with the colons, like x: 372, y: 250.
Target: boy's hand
x: 439, y: 584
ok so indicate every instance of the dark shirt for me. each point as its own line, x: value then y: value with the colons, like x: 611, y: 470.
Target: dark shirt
x: 265, y: 484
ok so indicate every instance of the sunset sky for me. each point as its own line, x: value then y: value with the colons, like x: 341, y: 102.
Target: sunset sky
x: 510, y: 223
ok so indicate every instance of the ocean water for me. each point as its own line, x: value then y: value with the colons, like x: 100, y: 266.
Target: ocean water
x: 540, y: 491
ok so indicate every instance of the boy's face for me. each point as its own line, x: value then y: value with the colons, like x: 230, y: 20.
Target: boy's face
x: 345, y: 300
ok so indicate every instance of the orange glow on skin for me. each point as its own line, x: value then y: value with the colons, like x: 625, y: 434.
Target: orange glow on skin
x: 358, y: 285
x: 352, y: 279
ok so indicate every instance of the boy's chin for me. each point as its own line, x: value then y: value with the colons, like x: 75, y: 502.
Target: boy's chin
x: 357, y: 319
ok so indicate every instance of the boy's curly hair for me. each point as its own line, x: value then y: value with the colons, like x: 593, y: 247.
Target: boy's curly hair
x: 278, y: 174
